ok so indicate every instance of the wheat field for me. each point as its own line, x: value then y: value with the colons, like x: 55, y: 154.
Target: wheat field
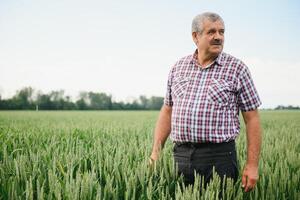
x: 104, y: 155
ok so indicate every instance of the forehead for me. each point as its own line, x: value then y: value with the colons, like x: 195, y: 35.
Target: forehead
x: 208, y: 24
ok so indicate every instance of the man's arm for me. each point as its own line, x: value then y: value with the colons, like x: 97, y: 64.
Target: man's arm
x: 250, y: 172
x: 162, y: 131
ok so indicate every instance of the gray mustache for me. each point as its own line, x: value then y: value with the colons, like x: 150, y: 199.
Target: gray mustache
x: 216, y: 43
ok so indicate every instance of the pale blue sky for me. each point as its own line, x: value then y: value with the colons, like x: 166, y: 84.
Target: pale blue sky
x: 126, y: 48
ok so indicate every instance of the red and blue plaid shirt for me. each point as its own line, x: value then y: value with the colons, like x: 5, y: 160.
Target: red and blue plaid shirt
x: 206, y: 101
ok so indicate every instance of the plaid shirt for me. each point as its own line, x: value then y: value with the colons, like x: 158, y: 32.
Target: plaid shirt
x: 206, y: 102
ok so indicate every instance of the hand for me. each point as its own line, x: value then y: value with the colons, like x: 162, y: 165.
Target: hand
x: 249, y: 178
x: 152, y: 159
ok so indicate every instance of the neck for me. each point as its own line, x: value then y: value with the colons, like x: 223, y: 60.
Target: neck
x: 205, y: 59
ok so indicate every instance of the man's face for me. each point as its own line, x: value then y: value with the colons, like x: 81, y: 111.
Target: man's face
x: 211, y: 40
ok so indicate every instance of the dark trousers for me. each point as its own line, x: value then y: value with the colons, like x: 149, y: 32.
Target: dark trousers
x: 202, y: 158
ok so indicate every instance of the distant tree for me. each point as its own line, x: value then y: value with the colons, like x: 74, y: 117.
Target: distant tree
x: 155, y: 103
x: 23, y: 99
x: 100, y: 101
x: 57, y: 99
x: 118, y: 105
x: 7, y: 104
x: 134, y: 105
x: 81, y: 105
x: 83, y: 102
x: 44, y: 102
x: 144, y: 102
x: 68, y: 104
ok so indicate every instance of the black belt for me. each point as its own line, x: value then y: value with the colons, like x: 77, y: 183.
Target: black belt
x: 206, y: 144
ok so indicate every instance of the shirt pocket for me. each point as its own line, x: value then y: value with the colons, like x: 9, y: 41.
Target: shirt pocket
x: 179, y: 86
x: 219, y: 91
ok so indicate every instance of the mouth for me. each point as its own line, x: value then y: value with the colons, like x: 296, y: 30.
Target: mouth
x: 216, y: 45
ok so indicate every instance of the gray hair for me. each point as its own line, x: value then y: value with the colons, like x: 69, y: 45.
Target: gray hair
x: 197, y: 24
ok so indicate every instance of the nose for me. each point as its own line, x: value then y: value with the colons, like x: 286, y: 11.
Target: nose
x: 218, y: 36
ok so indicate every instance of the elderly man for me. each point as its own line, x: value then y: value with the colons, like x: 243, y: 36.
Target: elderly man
x: 205, y: 92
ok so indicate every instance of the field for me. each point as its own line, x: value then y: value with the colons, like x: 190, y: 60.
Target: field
x: 104, y: 155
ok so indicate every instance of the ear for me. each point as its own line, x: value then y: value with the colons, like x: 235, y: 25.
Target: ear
x: 194, y: 35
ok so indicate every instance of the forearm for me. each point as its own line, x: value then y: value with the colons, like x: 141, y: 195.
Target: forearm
x: 162, y: 130
x: 253, y: 130
x: 250, y: 172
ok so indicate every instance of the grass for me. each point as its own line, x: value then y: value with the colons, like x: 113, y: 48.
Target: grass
x: 104, y: 154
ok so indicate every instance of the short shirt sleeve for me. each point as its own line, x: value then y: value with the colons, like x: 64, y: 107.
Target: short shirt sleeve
x: 248, y: 98
x: 168, y: 97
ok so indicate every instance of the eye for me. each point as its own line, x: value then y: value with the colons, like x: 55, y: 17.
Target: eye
x: 210, y: 32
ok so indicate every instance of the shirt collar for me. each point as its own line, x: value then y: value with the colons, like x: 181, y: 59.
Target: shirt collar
x: 218, y: 60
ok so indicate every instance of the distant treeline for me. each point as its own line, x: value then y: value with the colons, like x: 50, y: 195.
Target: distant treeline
x: 29, y: 99
x: 290, y: 107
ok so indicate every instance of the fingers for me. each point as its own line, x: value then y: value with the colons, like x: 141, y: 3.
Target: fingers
x: 249, y: 178
x: 244, y: 180
x: 248, y: 188
x: 151, y: 161
x: 250, y: 183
